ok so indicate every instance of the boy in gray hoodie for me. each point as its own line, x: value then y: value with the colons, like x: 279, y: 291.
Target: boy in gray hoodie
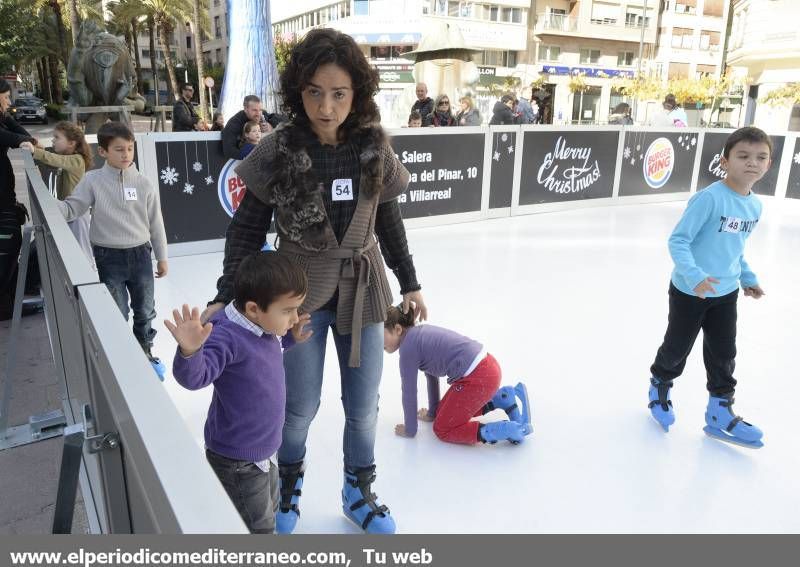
x: 126, y: 227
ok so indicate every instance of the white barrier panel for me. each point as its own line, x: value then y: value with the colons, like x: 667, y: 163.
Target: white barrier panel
x: 468, y: 174
x: 152, y: 478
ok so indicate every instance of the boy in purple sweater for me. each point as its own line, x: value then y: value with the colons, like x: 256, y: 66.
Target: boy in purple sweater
x: 239, y: 351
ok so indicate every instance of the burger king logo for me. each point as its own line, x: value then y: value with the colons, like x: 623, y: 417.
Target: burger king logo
x: 230, y: 187
x: 659, y: 161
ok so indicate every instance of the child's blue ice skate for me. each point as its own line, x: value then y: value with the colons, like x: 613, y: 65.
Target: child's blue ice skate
x: 660, y: 405
x: 291, y: 482
x: 360, y: 504
x: 510, y: 431
x: 724, y: 425
x: 158, y: 366
x: 506, y: 399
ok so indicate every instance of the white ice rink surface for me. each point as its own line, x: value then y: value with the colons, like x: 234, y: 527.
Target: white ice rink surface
x: 575, y: 304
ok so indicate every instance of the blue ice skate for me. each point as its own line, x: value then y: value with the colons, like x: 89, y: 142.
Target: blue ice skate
x: 724, y: 425
x: 660, y: 405
x: 291, y: 482
x: 267, y: 247
x: 158, y: 366
x: 360, y: 504
x: 506, y: 399
x: 510, y: 431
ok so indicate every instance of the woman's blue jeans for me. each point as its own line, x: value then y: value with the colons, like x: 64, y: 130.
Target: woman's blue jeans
x: 304, y: 369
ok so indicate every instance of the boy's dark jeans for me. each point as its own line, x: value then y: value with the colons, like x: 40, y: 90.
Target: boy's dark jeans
x: 253, y: 492
x: 687, y: 315
x: 130, y: 271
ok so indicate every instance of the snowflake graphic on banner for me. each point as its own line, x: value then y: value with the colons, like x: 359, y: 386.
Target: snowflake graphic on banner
x: 626, y: 153
x: 497, y: 156
x: 511, y: 149
x: 209, y: 180
x: 169, y: 175
x: 197, y: 166
x: 797, y: 158
x: 188, y: 188
x: 504, y: 137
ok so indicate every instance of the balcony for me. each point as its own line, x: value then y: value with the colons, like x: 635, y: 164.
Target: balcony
x: 556, y: 22
x: 606, y: 28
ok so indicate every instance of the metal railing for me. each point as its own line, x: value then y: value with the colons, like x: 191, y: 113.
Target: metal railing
x: 139, y: 468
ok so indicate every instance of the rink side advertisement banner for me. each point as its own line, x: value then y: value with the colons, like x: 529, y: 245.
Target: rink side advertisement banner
x: 793, y: 189
x: 446, y: 173
x: 654, y: 163
x: 501, y: 184
x: 711, y: 169
x: 567, y: 166
x: 199, y: 189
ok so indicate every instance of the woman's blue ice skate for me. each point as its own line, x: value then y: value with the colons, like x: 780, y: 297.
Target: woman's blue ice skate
x: 660, y: 405
x: 290, y: 484
x: 510, y: 431
x: 724, y: 425
x: 360, y: 504
x: 506, y: 400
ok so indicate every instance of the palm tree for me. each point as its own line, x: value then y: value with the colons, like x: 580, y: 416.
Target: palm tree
x: 127, y: 15
x: 165, y: 13
x: 200, y: 24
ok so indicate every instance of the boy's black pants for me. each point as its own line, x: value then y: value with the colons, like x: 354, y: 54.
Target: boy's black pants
x: 716, y: 316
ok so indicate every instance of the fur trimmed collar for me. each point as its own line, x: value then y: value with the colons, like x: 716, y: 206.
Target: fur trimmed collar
x: 294, y: 191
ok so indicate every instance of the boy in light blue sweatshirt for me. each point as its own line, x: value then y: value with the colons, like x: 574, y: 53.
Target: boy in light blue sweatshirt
x: 707, y: 247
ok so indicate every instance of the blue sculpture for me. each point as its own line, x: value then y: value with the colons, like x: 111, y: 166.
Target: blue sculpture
x: 251, y: 68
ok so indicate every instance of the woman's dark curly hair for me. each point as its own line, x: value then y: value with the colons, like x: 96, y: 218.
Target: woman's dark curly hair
x: 321, y: 47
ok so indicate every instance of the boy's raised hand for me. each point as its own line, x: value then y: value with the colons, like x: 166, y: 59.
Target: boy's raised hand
x: 705, y: 287
x: 188, y: 330
x: 298, y: 332
x: 754, y: 291
x: 27, y: 146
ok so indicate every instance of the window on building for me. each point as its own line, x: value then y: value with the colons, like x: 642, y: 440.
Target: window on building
x: 713, y: 8
x: 549, y: 53
x: 709, y: 40
x: 678, y: 71
x: 440, y: 7
x: 361, y: 7
x: 145, y: 53
x: 216, y: 2
x: 625, y: 59
x: 494, y: 13
x: 635, y: 17
x: 590, y: 56
x: 686, y: 6
x: 217, y: 27
x: 498, y: 58
x: 516, y: 15
x: 218, y: 55
x: 682, y: 38
x: 426, y: 7
x: 705, y: 71
x: 604, y: 13
x: 188, y: 42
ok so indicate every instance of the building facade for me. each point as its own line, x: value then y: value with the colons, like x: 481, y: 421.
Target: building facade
x: 595, y: 40
x: 764, y: 46
x: 388, y: 29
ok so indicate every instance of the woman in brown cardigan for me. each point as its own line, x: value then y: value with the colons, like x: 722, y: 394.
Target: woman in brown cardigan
x: 331, y: 180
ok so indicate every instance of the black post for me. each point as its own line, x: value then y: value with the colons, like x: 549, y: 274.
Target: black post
x: 68, y: 479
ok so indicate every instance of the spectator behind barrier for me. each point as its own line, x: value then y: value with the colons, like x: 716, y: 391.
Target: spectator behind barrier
x: 252, y: 110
